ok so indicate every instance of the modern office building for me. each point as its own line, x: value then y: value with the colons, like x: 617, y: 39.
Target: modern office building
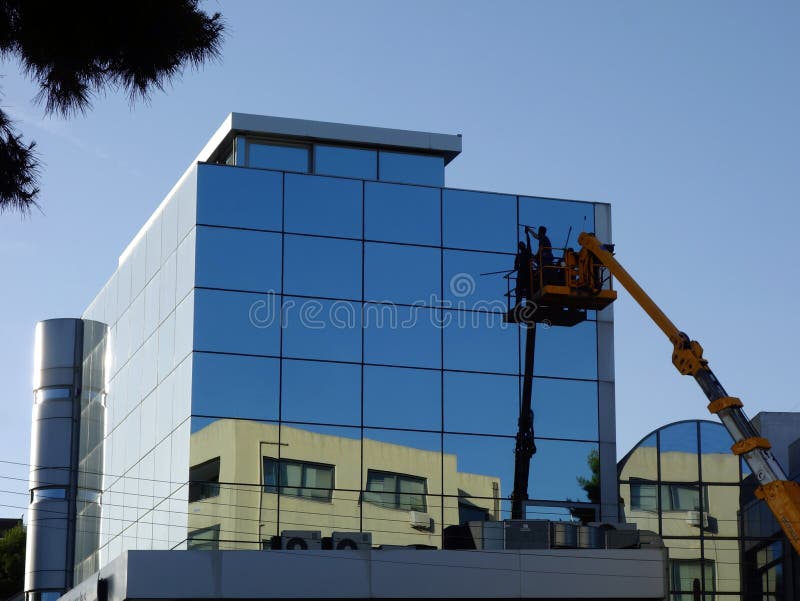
x: 308, y: 334
x: 683, y: 482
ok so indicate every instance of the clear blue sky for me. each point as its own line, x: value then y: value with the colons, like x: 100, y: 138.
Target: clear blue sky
x: 683, y: 115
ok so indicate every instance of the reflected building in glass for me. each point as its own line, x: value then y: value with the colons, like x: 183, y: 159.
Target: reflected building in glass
x: 301, y: 337
x: 683, y: 482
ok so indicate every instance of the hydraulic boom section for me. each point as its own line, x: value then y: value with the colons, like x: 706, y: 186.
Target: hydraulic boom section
x: 781, y: 495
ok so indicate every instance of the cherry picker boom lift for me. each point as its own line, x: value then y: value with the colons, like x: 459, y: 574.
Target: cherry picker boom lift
x: 578, y: 283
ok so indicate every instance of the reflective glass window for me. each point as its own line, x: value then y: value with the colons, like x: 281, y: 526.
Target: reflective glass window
x: 402, y: 274
x: 322, y: 267
x: 246, y: 198
x: 565, y: 471
x: 204, y: 480
x: 345, y: 162
x: 48, y: 394
x: 405, y: 452
x: 400, y: 213
x: 644, y: 495
x: 321, y: 392
x: 558, y: 216
x: 476, y: 280
x: 479, y: 342
x: 395, y: 491
x: 678, y: 452
x: 277, y: 156
x: 681, y: 497
x: 48, y: 494
x: 719, y: 464
x: 312, y: 481
x: 238, y: 259
x: 236, y: 322
x: 479, y: 221
x: 565, y: 352
x: 402, y: 398
x: 551, y: 397
x: 411, y: 168
x: 686, y: 574
x: 318, y: 329
x: 204, y: 539
x: 404, y: 336
x: 235, y: 386
x: 480, y: 403
x: 326, y: 206
x: 485, y: 459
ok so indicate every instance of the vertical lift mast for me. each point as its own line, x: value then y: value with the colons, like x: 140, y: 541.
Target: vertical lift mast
x: 578, y: 283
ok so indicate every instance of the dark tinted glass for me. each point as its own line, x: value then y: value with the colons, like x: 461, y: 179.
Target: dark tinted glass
x: 399, y: 213
x: 479, y: 342
x: 471, y: 280
x: 322, y: 267
x: 411, y: 168
x: 239, y: 197
x: 404, y: 336
x: 238, y: 259
x: 323, y: 205
x: 557, y: 216
x: 235, y: 386
x: 402, y: 398
x: 319, y: 329
x: 565, y: 352
x: 565, y: 408
x: 321, y: 392
x: 563, y: 471
x: 345, y: 162
x: 480, y: 403
x: 479, y: 221
x: 402, y: 274
x: 236, y: 322
x: 279, y: 157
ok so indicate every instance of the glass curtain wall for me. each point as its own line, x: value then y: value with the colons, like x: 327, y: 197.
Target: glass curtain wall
x: 351, y: 368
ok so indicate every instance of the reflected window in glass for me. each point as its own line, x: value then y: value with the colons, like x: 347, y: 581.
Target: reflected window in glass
x: 322, y: 267
x: 345, y: 162
x: 402, y: 274
x: 326, y: 206
x: 281, y: 157
x: 411, y: 168
x: 238, y: 259
x: 644, y: 495
x: 401, y: 213
x: 479, y: 221
x: 246, y: 198
x: 204, y: 480
x: 321, y: 392
x: 395, y: 491
x: 311, y: 481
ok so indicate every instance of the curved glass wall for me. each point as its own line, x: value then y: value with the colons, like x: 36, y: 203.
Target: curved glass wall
x: 683, y: 482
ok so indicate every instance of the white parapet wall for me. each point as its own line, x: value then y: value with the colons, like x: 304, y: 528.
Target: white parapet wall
x: 381, y: 574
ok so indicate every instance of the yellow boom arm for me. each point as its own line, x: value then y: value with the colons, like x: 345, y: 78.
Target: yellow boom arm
x: 781, y: 495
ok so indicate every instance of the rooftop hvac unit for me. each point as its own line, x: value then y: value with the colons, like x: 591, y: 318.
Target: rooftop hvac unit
x: 301, y: 539
x: 486, y: 535
x: 590, y: 537
x: 419, y: 520
x: 563, y: 535
x: 352, y: 540
x: 695, y: 518
x: 526, y: 534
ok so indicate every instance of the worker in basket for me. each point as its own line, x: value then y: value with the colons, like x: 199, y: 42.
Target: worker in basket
x: 522, y: 265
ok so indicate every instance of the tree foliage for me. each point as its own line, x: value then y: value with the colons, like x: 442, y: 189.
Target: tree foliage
x: 12, y: 562
x: 77, y: 50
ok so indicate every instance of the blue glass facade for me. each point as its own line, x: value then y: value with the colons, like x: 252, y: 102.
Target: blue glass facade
x: 320, y: 309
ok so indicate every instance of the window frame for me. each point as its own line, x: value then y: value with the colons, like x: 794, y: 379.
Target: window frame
x: 280, y: 488
x: 397, y: 504
x: 200, y: 490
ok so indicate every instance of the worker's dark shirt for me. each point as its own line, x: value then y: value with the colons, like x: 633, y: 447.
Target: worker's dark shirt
x: 546, y: 250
